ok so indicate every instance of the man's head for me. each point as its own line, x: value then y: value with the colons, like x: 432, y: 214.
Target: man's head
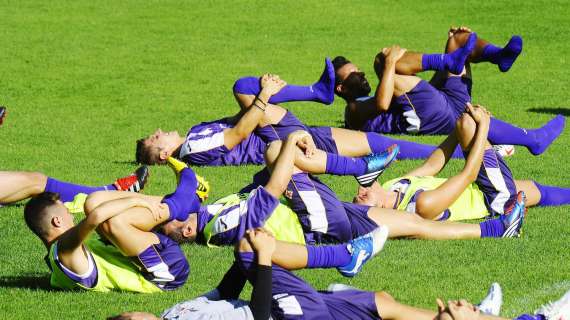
x: 374, y: 196
x: 182, y: 231
x: 47, y: 217
x: 350, y: 83
x: 157, y: 147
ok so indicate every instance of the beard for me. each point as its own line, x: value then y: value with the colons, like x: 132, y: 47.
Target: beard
x: 356, y: 85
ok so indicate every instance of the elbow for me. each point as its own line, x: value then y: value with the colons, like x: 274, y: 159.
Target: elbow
x: 382, y: 106
x: 425, y: 209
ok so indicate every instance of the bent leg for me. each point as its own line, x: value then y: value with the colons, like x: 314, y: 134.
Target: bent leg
x: 321, y: 91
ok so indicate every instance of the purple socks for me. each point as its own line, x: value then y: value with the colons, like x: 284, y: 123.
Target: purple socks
x: 530, y: 317
x: 321, y: 91
x: 492, y: 228
x: 184, y: 200
x: 552, y: 195
x: 503, y: 57
x: 536, y: 140
x: 67, y: 191
x: 452, y: 62
x: 331, y: 256
x: 342, y: 166
x: 408, y: 150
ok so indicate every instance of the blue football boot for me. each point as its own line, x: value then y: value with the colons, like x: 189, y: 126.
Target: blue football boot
x: 376, y: 163
x: 514, y: 217
x: 362, y: 249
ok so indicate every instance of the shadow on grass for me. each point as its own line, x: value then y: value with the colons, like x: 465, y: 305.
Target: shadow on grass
x: 125, y: 162
x: 30, y: 281
x: 559, y: 110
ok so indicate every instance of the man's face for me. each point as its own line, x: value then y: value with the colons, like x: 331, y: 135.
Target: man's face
x: 182, y: 231
x: 353, y: 82
x: 161, y: 141
x: 374, y: 196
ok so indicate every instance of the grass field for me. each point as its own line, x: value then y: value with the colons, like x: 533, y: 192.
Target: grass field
x: 84, y: 79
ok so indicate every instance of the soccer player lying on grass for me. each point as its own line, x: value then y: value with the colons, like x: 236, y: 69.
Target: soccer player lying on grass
x: 484, y: 187
x: 20, y: 185
x: 139, y: 261
x: 317, y: 215
x: 218, y: 143
x: 223, y: 302
x: 404, y: 103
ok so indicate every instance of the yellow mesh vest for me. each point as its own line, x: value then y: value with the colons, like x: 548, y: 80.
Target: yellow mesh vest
x: 114, y: 271
x: 470, y: 204
x: 283, y: 222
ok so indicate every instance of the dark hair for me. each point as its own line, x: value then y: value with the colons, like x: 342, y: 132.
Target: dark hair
x: 144, y: 154
x: 337, y: 63
x: 36, y: 213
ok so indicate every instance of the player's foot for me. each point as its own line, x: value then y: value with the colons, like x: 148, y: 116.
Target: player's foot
x: 375, y: 165
x: 455, y: 61
x: 558, y: 310
x: 547, y: 134
x: 492, y: 303
x: 184, y: 200
x: 509, y: 53
x: 362, y: 249
x: 324, y: 88
x: 203, y: 186
x: 134, y: 182
x: 514, y: 217
x: 176, y: 165
x: 3, y: 111
x: 504, y: 150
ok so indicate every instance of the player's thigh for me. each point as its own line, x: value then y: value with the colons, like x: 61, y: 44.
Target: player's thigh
x: 400, y: 224
x: 351, y: 143
x: 129, y: 239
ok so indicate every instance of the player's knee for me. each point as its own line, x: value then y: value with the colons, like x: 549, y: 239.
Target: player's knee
x: 93, y: 201
x: 246, y: 85
x: 272, y: 152
x: 37, y: 181
x: 466, y: 126
x: 384, y: 296
x: 114, y: 225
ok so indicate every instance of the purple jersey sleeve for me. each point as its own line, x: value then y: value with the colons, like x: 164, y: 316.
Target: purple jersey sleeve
x: 204, y: 145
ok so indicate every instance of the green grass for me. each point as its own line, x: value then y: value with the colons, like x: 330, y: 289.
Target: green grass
x: 84, y: 79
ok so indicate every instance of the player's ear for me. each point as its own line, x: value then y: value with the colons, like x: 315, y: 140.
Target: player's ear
x: 188, y: 231
x: 56, y: 221
x: 339, y: 88
x: 163, y: 154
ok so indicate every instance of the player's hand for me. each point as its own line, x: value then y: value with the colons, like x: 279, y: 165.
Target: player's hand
x: 271, y: 83
x: 307, y: 145
x: 453, y: 30
x: 393, y: 54
x: 479, y: 113
x: 134, y: 316
x: 297, y: 135
x: 261, y: 240
x: 462, y: 310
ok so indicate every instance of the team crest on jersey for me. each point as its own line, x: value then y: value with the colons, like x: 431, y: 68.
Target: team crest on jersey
x: 288, y: 194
